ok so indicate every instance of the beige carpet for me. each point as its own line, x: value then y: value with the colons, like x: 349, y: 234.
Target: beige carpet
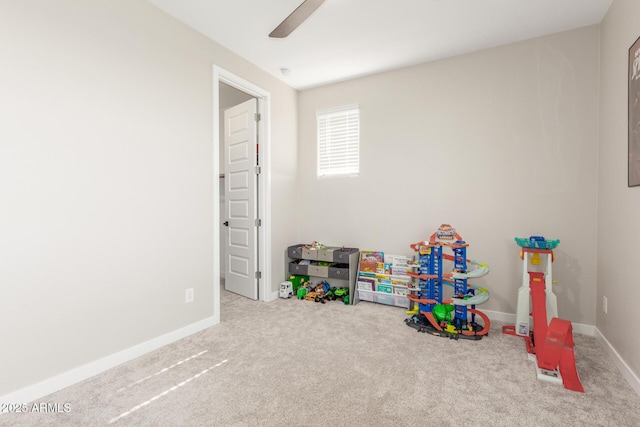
x: 299, y: 363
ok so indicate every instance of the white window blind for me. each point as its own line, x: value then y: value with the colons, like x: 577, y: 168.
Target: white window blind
x: 338, y: 141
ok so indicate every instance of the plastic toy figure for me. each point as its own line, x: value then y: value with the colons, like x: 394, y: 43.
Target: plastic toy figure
x: 342, y: 293
x: 286, y: 290
x: 304, y: 290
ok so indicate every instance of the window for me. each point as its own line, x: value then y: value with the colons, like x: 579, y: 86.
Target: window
x: 338, y: 141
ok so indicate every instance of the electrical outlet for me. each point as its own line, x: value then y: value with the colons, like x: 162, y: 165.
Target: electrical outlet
x: 188, y: 295
x: 604, y: 304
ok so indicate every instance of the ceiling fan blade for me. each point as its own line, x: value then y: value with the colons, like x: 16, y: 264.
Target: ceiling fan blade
x: 296, y: 18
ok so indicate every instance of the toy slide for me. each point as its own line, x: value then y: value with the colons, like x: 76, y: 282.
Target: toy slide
x: 483, y: 331
x: 480, y: 297
x: 479, y: 271
x: 466, y: 332
x: 422, y: 276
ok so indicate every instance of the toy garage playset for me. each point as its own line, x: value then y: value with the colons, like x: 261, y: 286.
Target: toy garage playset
x: 455, y: 317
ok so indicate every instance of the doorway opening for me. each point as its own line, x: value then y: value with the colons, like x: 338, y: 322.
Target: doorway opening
x: 227, y: 89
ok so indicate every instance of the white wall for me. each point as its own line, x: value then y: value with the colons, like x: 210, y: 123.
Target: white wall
x: 499, y: 143
x: 106, y: 180
x: 619, y: 205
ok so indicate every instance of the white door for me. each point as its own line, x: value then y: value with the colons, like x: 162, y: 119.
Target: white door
x: 240, y: 143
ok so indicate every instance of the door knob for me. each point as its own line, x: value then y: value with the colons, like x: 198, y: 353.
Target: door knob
x: 226, y: 223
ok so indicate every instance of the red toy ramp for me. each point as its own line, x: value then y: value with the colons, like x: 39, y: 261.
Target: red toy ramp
x: 558, y: 352
x: 485, y: 318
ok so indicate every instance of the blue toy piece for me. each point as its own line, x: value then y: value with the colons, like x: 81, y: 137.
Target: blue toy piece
x: 430, y: 261
x: 325, y: 285
x: 537, y: 242
x: 460, y: 285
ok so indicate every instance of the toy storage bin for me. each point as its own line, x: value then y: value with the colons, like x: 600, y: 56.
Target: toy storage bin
x: 295, y: 251
x: 340, y: 271
x: 380, y: 298
x: 326, y: 253
x: 298, y: 269
x: 309, y: 253
x: 364, y: 295
x: 318, y: 270
x: 341, y: 255
x: 386, y: 299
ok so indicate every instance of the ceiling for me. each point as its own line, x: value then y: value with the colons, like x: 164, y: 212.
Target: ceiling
x: 346, y: 39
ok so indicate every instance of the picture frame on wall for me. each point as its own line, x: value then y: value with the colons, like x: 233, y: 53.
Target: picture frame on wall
x: 634, y: 115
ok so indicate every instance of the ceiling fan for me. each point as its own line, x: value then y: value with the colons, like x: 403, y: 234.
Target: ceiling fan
x: 296, y: 18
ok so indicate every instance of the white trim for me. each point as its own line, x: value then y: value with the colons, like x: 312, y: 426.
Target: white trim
x: 500, y: 316
x: 622, y: 366
x: 81, y: 373
x: 578, y: 328
x: 264, y: 190
x: 582, y: 329
x: 337, y: 109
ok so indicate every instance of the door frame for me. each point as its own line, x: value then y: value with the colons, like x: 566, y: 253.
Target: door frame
x: 220, y: 75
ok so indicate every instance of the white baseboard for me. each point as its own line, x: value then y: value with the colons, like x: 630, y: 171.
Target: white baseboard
x: 500, y: 316
x: 272, y: 296
x: 622, y: 366
x: 578, y: 328
x: 81, y: 373
x: 582, y: 329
